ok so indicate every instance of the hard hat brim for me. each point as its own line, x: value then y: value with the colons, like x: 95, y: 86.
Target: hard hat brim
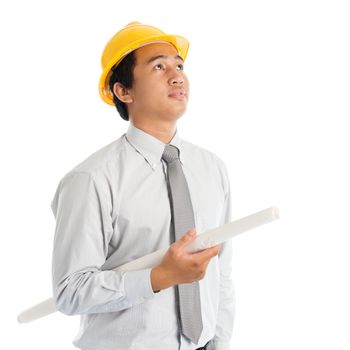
x: 180, y: 43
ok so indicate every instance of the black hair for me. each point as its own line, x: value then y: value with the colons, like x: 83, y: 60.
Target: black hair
x: 123, y: 73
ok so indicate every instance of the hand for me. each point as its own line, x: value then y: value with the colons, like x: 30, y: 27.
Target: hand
x: 179, y: 266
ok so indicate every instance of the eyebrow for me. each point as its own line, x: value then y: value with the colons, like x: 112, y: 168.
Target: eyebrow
x: 163, y: 56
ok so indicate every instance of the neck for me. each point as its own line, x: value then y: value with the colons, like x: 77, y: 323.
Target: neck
x: 163, y: 131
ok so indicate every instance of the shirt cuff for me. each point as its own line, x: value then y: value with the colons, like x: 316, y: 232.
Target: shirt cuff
x: 138, y: 285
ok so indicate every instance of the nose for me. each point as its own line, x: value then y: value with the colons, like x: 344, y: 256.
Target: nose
x: 176, y: 79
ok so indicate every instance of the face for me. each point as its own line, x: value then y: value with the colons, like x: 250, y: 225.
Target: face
x: 160, y: 89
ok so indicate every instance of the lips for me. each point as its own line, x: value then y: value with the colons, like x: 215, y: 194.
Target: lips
x: 179, y: 94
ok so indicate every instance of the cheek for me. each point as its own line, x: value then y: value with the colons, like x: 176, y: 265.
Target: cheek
x: 186, y: 83
x: 149, y: 93
x: 150, y: 85
x: 143, y: 89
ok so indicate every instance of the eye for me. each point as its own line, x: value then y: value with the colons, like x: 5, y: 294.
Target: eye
x: 158, y: 66
x: 180, y: 67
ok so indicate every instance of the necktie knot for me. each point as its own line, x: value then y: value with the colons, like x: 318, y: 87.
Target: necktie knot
x: 170, y: 153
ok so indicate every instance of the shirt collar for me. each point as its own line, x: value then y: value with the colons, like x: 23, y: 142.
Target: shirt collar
x: 149, y: 146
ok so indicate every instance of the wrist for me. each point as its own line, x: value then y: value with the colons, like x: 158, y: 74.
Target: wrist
x: 159, y: 279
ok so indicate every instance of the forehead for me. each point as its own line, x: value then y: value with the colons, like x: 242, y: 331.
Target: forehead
x: 144, y: 53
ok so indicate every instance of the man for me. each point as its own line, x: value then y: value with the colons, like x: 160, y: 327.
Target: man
x: 121, y: 203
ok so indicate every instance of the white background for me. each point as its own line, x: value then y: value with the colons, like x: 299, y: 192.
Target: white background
x: 270, y: 84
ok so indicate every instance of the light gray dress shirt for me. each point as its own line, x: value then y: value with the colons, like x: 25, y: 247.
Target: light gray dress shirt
x: 112, y: 208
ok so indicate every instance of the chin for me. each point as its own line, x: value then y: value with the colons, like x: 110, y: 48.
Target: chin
x: 178, y: 110
x: 174, y: 115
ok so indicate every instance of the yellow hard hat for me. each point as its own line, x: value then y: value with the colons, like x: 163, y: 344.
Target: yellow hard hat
x: 131, y: 37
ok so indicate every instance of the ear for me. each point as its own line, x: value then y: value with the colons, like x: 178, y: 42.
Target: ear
x: 122, y: 93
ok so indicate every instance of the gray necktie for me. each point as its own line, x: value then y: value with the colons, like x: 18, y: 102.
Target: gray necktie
x: 183, y: 220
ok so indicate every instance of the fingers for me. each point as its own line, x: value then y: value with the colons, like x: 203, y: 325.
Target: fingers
x: 201, y: 256
x: 207, y: 254
x: 186, y: 239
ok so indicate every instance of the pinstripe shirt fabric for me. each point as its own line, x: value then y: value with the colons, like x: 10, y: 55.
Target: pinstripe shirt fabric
x: 112, y: 208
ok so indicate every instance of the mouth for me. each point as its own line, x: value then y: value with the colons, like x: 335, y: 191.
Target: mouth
x: 179, y: 95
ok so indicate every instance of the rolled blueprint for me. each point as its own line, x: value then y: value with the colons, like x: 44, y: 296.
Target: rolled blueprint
x: 203, y: 241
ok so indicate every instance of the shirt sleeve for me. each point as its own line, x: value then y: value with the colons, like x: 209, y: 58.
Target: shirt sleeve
x: 83, y: 228
x: 226, y: 313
